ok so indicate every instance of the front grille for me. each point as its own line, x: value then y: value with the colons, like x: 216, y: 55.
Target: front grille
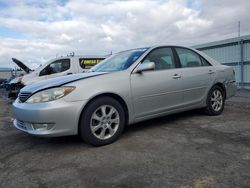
x: 23, y: 96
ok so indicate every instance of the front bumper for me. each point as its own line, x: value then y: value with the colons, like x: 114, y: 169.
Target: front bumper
x: 61, y: 116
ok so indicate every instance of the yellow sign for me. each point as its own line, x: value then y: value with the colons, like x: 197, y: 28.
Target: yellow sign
x: 90, y: 62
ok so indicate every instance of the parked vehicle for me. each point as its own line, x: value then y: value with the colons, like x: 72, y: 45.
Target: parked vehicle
x: 60, y: 66
x: 4, y: 84
x: 126, y: 88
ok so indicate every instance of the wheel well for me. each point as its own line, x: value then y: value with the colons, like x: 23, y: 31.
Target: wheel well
x: 114, y: 96
x: 223, y: 88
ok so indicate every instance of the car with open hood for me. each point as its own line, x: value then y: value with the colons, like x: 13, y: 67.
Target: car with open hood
x: 127, y: 87
x: 57, y: 67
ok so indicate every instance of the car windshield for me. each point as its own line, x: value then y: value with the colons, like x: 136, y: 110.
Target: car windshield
x: 119, y: 61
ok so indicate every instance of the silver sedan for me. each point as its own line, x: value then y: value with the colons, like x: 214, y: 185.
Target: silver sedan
x: 126, y: 88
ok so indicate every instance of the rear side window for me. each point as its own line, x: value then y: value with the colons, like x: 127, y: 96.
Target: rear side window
x: 162, y: 57
x: 189, y: 58
x: 57, y: 66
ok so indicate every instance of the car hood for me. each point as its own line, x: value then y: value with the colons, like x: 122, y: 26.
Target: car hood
x: 59, y: 81
x: 21, y: 65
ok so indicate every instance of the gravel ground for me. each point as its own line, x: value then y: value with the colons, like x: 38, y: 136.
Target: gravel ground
x: 183, y: 150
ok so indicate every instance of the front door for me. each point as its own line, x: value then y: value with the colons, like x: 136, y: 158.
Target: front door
x: 159, y: 90
x: 57, y: 68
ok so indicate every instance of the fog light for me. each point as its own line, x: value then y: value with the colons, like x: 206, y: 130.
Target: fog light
x: 42, y: 126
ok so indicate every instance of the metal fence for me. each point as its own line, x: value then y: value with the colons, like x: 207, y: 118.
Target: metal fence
x: 233, y: 52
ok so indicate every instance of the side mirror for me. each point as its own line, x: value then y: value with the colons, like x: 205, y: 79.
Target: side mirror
x: 146, y: 67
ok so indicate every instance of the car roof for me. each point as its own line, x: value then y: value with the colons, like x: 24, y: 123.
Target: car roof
x: 83, y: 56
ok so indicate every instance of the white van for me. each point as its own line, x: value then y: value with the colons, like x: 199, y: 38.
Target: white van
x: 56, y: 67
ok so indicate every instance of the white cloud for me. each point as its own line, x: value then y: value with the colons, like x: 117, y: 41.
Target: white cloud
x: 98, y: 27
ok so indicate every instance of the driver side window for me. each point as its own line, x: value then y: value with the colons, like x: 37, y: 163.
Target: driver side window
x: 162, y: 57
x: 56, y: 67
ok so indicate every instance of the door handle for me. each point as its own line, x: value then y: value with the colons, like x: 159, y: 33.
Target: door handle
x: 211, y: 72
x: 176, y: 76
x: 69, y: 73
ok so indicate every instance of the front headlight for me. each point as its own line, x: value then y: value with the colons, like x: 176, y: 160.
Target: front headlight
x: 50, y: 94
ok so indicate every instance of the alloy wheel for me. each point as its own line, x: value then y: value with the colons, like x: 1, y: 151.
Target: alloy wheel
x: 104, y: 122
x: 217, y: 100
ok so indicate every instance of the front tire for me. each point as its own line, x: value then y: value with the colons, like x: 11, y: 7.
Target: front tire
x: 215, y: 101
x: 102, y: 122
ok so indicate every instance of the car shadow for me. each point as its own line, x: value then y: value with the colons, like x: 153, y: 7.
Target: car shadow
x: 167, y: 120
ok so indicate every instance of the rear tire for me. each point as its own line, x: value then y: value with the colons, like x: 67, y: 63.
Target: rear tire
x: 215, y: 101
x: 102, y: 121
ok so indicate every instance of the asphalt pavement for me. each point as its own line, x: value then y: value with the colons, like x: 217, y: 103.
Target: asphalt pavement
x: 184, y: 150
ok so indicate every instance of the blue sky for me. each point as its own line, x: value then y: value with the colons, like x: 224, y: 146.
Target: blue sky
x: 35, y: 31
x: 3, y: 4
x: 6, y: 32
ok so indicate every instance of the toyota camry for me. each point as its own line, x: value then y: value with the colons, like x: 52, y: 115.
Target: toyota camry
x: 128, y: 87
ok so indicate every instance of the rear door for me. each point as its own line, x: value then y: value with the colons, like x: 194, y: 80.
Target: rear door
x: 197, y: 75
x: 159, y: 90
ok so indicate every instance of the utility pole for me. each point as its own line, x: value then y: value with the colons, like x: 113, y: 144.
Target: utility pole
x: 241, y: 55
x: 238, y: 28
